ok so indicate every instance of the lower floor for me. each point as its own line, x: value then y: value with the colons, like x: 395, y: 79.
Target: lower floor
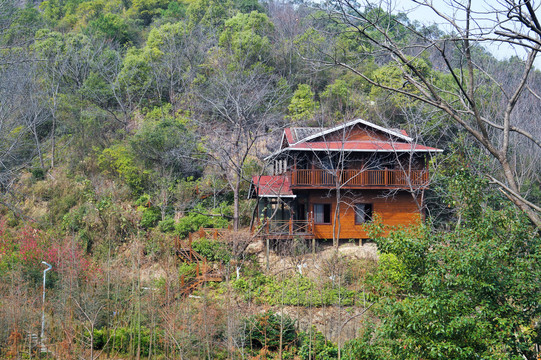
x: 324, y: 214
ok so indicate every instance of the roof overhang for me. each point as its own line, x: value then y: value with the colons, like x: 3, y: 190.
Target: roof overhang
x: 277, y: 196
x: 292, y: 148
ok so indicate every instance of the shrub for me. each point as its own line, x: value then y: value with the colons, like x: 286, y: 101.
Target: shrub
x: 187, y: 270
x: 212, y: 250
x: 193, y: 221
x: 293, y: 290
x: 167, y: 225
x: 150, y: 217
x: 38, y: 173
x: 313, y: 345
x: 118, y: 161
x: 263, y: 330
x: 120, y: 339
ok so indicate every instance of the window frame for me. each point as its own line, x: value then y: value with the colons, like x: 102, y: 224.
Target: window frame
x: 330, y: 211
x: 368, y: 214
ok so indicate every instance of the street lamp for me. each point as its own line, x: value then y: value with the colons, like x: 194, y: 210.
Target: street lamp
x: 43, y: 305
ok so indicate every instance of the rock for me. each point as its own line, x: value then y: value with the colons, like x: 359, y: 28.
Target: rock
x: 256, y: 247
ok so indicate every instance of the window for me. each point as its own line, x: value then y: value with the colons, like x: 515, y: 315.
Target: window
x: 363, y: 213
x: 322, y: 213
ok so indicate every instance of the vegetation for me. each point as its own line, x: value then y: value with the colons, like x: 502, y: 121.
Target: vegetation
x: 126, y: 126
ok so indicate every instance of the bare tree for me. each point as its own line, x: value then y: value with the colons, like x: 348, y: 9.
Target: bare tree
x: 497, y: 127
x: 239, y: 107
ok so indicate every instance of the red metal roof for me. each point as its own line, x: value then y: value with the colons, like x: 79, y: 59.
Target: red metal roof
x: 289, y: 136
x: 272, y: 186
x: 372, y: 145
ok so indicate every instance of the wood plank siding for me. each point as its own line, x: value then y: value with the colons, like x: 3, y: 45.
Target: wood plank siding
x: 397, y: 209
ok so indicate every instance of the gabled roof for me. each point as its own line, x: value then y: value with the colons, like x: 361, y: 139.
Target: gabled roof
x: 303, y: 139
x: 353, y: 123
x: 296, y: 134
x: 272, y: 186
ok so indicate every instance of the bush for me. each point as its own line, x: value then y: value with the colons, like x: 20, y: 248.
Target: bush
x: 263, y: 330
x: 119, y: 339
x: 150, y: 217
x: 293, y: 290
x: 118, y: 161
x: 194, y: 221
x: 38, y: 173
x: 74, y: 220
x: 212, y: 250
x: 317, y: 347
x: 187, y: 270
x: 167, y: 225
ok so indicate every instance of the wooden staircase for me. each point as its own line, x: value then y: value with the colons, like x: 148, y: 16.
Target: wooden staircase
x: 203, y: 272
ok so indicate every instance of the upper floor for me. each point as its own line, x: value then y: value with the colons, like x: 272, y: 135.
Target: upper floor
x: 357, y: 154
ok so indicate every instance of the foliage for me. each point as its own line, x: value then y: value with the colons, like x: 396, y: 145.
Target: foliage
x: 120, y: 339
x: 293, y: 290
x: 212, y: 250
x: 112, y: 27
x: 263, y: 330
x: 196, y: 220
x: 187, y: 270
x: 302, y: 105
x: 245, y: 35
x: 28, y: 247
x: 118, y: 161
x: 150, y: 216
x: 167, y: 225
x: 165, y: 143
x: 391, y: 76
x: 314, y: 345
x: 465, y: 293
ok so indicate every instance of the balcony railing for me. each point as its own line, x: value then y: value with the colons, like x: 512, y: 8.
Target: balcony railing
x: 359, y: 178
x: 287, y: 228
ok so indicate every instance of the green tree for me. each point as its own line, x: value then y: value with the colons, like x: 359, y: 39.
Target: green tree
x: 302, y: 105
x: 112, y: 27
x: 246, y: 37
x: 468, y: 293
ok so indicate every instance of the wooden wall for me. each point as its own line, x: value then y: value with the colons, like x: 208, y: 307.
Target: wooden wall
x: 357, y: 133
x: 398, y: 209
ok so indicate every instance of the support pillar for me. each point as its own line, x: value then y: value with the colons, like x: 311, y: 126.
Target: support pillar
x: 267, y: 254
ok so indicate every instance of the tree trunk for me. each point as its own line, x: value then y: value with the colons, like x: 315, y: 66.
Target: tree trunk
x: 236, y: 206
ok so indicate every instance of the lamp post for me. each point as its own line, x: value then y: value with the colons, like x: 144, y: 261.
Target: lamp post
x: 43, y: 304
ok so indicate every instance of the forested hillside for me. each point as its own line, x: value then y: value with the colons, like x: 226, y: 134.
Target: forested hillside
x: 126, y: 126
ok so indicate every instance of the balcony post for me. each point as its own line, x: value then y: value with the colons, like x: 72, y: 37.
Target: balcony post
x: 290, y: 225
x: 386, y: 177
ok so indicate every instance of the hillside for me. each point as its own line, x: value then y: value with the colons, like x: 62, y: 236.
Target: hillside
x: 128, y: 126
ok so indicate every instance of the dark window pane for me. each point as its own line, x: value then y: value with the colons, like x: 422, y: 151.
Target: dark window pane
x: 363, y: 213
x: 322, y: 213
x: 327, y: 213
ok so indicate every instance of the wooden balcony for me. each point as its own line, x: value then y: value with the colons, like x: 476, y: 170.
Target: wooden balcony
x: 354, y: 178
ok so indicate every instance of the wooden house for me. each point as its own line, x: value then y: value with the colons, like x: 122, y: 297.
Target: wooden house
x: 325, y: 183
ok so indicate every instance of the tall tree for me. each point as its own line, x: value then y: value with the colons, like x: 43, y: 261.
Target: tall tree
x: 239, y: 109
x: 484, y: 105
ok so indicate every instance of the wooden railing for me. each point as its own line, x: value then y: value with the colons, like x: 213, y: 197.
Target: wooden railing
x: 209, y: 233
x: 203, y: 272
x: 288, y: 227
x: 359, y: 178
